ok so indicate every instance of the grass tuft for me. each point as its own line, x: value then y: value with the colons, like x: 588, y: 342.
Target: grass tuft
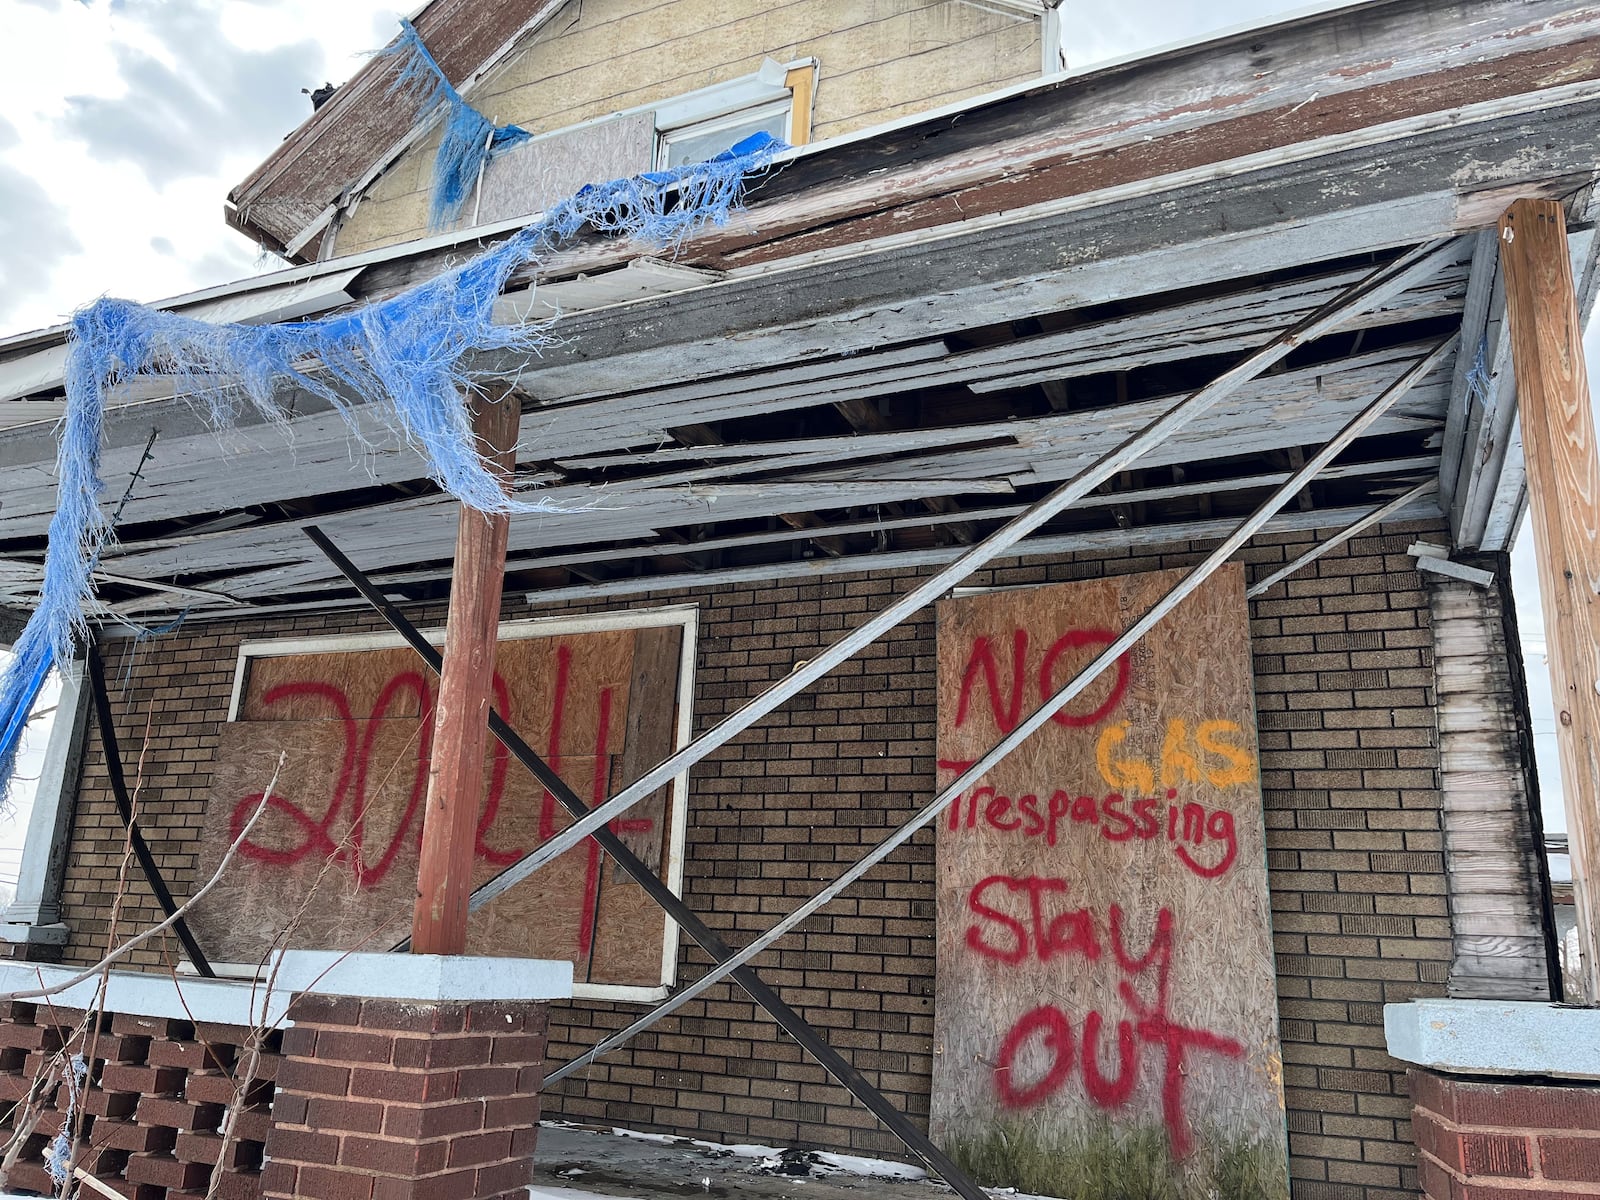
x: 1102, y: 1162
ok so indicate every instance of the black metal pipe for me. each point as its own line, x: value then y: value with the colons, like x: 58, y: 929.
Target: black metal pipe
x: 790, y: 1021
x: 96, y: 671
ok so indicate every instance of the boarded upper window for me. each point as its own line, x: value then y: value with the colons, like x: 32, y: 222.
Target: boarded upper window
x: 333, y: 863
x: 539, y: 173
x: 689, y: 128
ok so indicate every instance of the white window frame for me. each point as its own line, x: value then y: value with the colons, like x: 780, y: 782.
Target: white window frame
x: 732, y: 102
x: 666, y: 138
x: 684, y: 616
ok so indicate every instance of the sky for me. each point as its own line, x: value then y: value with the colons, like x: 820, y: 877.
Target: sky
x: 123, y: 124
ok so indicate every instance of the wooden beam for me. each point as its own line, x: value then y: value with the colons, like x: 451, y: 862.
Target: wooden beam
x: 460, y: 728
x: 1564, y: 498
x: 864, y: 416
x: 833, y: 547
x: 802, y: 82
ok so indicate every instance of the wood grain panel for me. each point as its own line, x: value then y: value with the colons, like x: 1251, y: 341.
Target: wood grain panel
x: 1491, y: 844
x: 652, y: 720
x: 341, y: 839
x: 303, y: 687
x: 1105, y: 964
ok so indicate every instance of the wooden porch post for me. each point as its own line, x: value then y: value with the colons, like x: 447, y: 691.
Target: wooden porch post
x: 461, y: 721
x: 1564, y: 498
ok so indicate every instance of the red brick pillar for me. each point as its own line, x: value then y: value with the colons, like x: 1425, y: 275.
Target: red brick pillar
x: 1505, y: 1140
x: 406, y: 1100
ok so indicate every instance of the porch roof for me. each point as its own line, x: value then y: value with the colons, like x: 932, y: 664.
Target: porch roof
x: 914, y: 332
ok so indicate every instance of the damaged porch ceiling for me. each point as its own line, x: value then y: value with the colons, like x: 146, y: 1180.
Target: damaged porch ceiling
x: 911, y: 452
x: 912, y: 335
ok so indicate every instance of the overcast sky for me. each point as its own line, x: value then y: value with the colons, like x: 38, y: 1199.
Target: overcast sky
x: 123, y: 123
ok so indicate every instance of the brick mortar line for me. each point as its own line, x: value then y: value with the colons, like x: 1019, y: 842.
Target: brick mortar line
x: 397, y: 1139
x: 1508, y: 1130
x: 1513, y: 1182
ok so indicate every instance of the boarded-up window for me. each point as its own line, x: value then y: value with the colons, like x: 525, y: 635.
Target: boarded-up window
x: 1105, y: 997
x: 532, y: 177
x: 335, y: 859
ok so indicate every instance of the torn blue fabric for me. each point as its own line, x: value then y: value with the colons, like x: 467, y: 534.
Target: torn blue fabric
x: 468, y: 139
x: 14, y: 709
x: 403, y: 359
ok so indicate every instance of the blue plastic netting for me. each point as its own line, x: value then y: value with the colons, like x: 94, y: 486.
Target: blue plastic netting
x: 468, y: 140
x: 404, y: 358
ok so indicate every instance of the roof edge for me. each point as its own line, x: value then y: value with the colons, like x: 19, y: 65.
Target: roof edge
x: 348, y: 135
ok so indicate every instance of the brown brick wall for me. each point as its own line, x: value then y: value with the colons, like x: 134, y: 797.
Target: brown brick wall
x: 156, y: 1093
x: 1344, y: 689
x: 1499, y: 1139
x: 406, y: 1100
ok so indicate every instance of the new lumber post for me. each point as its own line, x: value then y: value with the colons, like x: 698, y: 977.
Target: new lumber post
x: 1558, y: 440
x: 466, y: 690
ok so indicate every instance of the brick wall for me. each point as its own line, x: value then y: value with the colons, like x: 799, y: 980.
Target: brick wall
x: 400, y: 1100
x: 1349, y: 774
x: 155, y: 1095
x: 1503, y: 1139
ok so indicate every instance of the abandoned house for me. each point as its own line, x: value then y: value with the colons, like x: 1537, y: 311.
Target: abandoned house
x: 999, y: 641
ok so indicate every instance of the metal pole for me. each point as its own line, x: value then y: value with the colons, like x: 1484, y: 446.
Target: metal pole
x: 96, y: 671
x: 787, y: 1019
x: 1049, y: 708
x: 1382, y: 284
x: 1344, y: 535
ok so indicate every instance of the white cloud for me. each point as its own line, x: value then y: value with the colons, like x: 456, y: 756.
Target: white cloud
x: 125, y: 125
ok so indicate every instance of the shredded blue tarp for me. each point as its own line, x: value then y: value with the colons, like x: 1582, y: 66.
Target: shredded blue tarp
x: 14, y: 709
x: 468, y: 140
x: 402, y: 358
x: 58, y: 1154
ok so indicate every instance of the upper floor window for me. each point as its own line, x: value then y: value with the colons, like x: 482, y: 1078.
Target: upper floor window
x: 689, y: 128
x: 705, y: 139
x: 702, y: 124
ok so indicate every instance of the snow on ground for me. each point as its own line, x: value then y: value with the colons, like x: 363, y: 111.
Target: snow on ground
x: 876, y: 1168
x: 622, y: 1164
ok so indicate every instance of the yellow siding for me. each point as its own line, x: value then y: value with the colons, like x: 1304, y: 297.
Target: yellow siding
x: 879, y: 60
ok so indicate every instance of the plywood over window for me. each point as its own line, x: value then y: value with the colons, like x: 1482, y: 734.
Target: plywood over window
x: 1105, y: 993
x: 333, y: 863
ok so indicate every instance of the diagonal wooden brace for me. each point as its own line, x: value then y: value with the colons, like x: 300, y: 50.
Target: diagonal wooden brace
x: 788, y: 1020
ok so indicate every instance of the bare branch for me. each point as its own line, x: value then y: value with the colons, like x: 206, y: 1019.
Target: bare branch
x: 138, y: 940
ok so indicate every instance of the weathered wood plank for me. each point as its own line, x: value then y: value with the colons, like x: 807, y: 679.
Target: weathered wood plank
x: 1563, y: 468
x: 466, y: 693
x: 1490, y: 847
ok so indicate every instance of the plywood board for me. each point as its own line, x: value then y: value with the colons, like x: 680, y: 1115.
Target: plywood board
x: 1105, y: 996
x: 537, y: 174
x: 335, y: 857
x: 334, y: 687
